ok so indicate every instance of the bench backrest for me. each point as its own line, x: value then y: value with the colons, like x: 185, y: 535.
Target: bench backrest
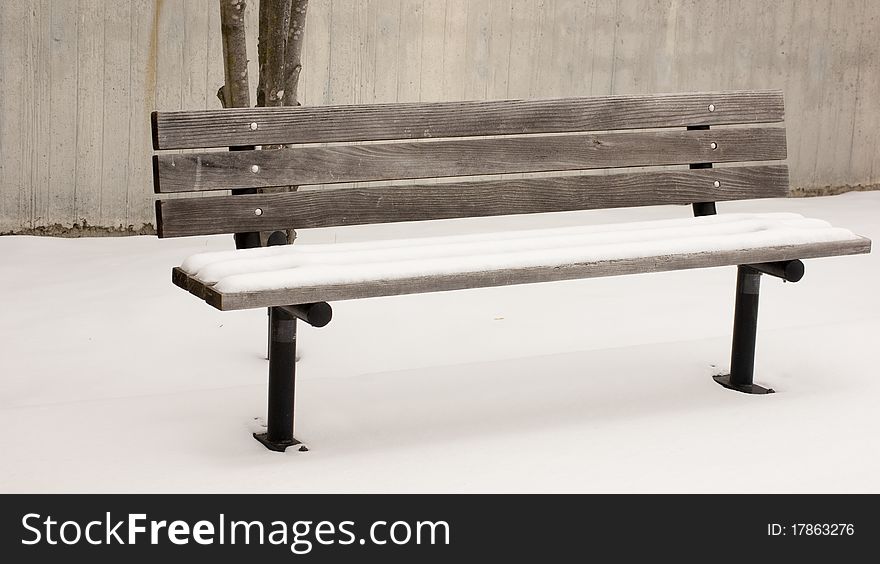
x: 387, y: 142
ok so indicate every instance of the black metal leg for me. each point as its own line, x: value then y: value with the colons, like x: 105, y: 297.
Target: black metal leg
x: 276, y: 238
x: 745, y: 326
x: 282, y: 382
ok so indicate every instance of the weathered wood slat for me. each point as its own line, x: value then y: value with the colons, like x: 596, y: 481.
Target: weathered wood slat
x: 182, y: 280
x: 465, y: 157
x: 385, y: 204
x: 229, y: 127
x: 246, y: 300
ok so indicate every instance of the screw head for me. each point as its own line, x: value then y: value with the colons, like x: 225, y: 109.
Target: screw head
x: 713, y: 145
x: 716, y: 184
x: 255, y: 169
x: 258, y: 211
x: 254, y: 126
x: 711, y: 107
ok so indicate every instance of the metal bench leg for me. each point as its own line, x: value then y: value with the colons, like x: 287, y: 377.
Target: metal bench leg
x: 276, y: 238
x: 745, y: 325
x: 282, y: 381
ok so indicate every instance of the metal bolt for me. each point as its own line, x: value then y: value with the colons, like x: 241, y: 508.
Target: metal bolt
x: 714, y: 145
x: 254, y: 126
x: 716, y: 184
x: 711, y: 107
x: 258, y: 211
x: 255, y: 169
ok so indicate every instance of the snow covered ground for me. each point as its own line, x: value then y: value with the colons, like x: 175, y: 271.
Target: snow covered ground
x: 112, y: 379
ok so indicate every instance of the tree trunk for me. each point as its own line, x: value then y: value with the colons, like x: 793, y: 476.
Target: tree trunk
x: 293, y: 52
x: 282, y: 27
x: 274, y: 15
x: 234, y: 93
x: 279, y: 52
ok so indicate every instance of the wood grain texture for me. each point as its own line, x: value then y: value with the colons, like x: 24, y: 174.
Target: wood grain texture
x: 355, y: 206
x: 372, y: 122
x: 404, y: 160
x: 182, y: 280
x: 247, y: 300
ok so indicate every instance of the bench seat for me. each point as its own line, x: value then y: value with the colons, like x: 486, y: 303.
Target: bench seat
x: 306, y: 273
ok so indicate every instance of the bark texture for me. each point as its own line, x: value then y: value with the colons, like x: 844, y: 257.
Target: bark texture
x: 235, y: 92
x: 282, y: 29
x: 279, y: 52
x: 274, y: 15
x: 296, y: 29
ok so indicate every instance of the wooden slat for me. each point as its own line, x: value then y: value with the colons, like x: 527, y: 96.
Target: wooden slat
x: 464, y: 157
x: 325, y: 208
x: 182, y: 280
x: 230, y: 127
x: 247, y: 300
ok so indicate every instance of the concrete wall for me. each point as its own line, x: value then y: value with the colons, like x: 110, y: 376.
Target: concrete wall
x: 79, y: 78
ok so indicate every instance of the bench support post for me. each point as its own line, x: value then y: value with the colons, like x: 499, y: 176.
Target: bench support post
x: 282, y: 381
x: 701, y: 208
x: 276, y: 238
x: 745, y: 326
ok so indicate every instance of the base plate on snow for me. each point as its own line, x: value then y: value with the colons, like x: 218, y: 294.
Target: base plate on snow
x: 280, y: 446
x: 724, y: 380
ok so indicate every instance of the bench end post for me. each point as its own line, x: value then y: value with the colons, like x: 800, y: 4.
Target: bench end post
x: 745, y: 329
x: 282, y: 382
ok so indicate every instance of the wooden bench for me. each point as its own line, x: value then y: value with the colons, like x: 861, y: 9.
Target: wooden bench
x: 567, y: 138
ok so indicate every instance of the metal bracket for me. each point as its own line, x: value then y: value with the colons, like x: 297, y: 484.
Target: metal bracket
x: 317, y: 314
x: 788, y: 270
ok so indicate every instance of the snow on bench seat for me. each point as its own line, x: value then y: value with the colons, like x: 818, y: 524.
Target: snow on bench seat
x: 299, y: 273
